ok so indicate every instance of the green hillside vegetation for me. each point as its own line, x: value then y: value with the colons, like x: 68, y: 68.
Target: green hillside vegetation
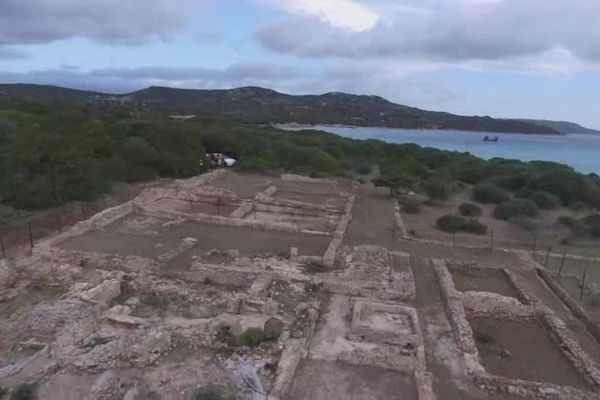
x: 260, y: 105
x: 51, y: 155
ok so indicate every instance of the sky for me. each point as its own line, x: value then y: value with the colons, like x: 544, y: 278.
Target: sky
x: 503, y: 58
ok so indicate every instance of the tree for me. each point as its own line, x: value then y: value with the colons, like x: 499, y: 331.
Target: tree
x: 393, y: 179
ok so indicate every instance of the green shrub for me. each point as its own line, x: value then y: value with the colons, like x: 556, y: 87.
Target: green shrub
x: 526, y: 224
x: 251, y: 337
x: 436, y: 190
x: 470, y: 210
x: 593, y: 223
x: 544, y: 200
x: 487, y: 193
x: 453, y: 224
x: 410, y: 205
x: 516, y: 208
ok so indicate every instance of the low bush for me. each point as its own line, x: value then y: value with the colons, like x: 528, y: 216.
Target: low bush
x: 544, y: 200
x: 436, y: 190
x: 516, y: 208
x: 453, y: 223
x: 487, y: 193
x: 593, y: 223
x: 470, y: 210
x: 526, y: 224
x: 410, y: 205
x: 251, y: 337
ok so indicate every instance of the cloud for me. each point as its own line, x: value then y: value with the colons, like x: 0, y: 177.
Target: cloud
x: 345, y: 14
x: 447, y: 31
x: 115, y: 21
x: 9, y: 53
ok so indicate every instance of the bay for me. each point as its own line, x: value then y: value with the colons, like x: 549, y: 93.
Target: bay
x: 580, y: 151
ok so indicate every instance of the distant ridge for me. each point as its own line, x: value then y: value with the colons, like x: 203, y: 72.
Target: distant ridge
x: 260, y: 105
x: 563, y: 126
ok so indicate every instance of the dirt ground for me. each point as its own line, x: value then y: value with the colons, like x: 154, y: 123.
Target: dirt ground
x: 321, y: 380
x: 491, y: 280
x: 358, y: 332
x: 210, y: 237
x: 522, y: 350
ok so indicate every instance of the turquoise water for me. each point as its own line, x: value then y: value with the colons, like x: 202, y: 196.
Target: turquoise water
x: 581, y: 152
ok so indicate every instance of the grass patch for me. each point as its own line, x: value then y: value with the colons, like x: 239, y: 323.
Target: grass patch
x: 251, y: 337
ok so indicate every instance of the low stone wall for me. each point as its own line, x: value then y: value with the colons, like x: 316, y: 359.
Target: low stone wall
x: 578, y: 311
x: 228, y: 221
x: 401, y: 231
x: 246, y: 208
x: 338, y: 235
x: 98, y: 221
x: 491, y: 305
x: 307, y: 179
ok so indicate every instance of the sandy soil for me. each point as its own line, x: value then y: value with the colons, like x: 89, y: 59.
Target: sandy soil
x: 321, y: 380
x: 492, y: 280
x: 522, y: 350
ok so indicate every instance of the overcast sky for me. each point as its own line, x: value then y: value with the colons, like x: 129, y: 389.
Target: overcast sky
x: 504, y: 58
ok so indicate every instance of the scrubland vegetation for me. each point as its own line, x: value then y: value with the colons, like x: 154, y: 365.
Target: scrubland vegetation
x: 49, y: 156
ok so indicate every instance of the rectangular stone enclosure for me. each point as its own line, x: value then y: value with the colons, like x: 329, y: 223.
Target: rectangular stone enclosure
x: 468, y: 278
x: 522, y: 350
x: 384, y: 323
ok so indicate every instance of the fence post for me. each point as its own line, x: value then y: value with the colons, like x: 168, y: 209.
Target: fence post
x: 30, y: 235
x: 547, y: 256
x: 2, y: 246
x: 562, y: 263
x: 582, y: 284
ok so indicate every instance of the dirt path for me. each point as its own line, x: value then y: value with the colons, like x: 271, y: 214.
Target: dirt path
x: 372, y: 218
x: 441, y: 351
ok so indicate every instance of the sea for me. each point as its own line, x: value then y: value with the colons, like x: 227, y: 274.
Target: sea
x: 580, y: 151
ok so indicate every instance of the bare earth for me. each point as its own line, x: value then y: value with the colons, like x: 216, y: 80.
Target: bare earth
x: 295, y: 289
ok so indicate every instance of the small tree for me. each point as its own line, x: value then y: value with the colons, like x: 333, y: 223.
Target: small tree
x: 393, y: 179
x: 436, y: 190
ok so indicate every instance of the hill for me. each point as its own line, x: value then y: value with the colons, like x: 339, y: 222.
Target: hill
x: 563, y: 126
x: 259, y: 105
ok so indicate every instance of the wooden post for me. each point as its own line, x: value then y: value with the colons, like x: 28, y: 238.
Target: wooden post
x: 562, y: 263
x: 30, y: 235
x: 548, y: 256
x: 582, y: 284
x: 2, y: 247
